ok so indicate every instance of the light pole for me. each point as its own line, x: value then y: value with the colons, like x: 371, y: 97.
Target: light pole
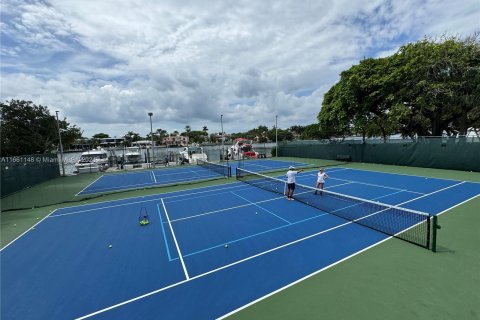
x: 150, y: 114
x: 61, y: 146
x: 221, y: 123
x: 276, y: 136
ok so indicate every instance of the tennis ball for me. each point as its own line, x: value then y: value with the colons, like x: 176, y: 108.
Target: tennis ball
x: 226, y: 246
x: 33, y: 228
x: 14, y: 225
x: 110, y: 246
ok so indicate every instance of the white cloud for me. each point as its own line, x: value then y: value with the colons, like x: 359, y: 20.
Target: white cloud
x: 105, y: 64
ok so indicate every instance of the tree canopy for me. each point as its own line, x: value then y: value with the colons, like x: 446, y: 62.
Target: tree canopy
x: 29, y: 129
x: 426, y: 88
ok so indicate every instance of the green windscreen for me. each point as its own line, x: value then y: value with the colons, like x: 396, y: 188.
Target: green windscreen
x: 462, y: 153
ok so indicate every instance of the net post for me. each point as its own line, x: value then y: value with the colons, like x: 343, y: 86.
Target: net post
x: 435, y: 226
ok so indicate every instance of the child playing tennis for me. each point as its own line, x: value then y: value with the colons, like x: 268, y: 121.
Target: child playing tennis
x: 321, y: 177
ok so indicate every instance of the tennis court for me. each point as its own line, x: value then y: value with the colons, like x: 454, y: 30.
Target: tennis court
x: 206, y: 252
x: 177, y: 175
x: 263, y: 165
x: 149, y: 178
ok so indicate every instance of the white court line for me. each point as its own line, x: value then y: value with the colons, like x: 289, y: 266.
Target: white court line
x: 246, y: 259
x: 370, y: 184
x: 236, y: 185
x: 256, y: 204
x: 192, y: 196
x: 225, y: 209
x: 213, y: 271
x: 154, y: 178
x: 175, y: 240
x: 458, y: 204
x: 89, y: 185
x: 429, y: 194
x: 338, y: 185
x: 251, y: 203
x: 262, y: 166
x: 177, y: 172
x: 411, y: 175
x: 300, y: 280
x: 136, y: 202
x: 238, y: 262
x: 148, y: 184
x: 121, y: 187
x: 335, y: 169
x: 100, y: 208
x: 28, y: 230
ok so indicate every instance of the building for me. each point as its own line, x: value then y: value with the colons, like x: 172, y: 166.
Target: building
x: 111, y: 142
x: 181, y: 141
x: 143, y: 144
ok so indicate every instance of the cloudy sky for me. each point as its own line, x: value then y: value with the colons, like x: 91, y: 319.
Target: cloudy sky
x: 105, y: 64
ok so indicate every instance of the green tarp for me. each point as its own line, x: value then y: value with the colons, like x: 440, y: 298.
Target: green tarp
x: 443, y: 153
x: 20, y: 172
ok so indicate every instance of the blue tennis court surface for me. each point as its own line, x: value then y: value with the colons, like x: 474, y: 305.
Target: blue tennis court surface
x: 177, y: 175
x: 261, y: 165
x: 206, y: 252
x: 148, y: 178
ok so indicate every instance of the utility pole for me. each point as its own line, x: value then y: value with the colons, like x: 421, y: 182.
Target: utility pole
x: 150, y: 114
x: 276, y: 136
x: 223, y: 150
x: 61, y: 146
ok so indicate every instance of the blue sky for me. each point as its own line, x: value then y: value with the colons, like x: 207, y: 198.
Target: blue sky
x: 105, y: 64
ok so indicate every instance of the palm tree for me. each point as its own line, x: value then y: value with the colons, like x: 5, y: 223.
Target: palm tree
x: 188, y: 128
x: 159, y: 134
x: 205, y: 131
x: 131, y: 136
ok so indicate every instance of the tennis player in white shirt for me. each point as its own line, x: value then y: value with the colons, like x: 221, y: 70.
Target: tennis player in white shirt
x: 321, y: 177
x: 291, y: 174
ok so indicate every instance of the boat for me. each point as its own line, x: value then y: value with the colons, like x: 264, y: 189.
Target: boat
x: 191, y: 154
x: 132, y: 155
x: 144, y: 144
x: 92, y: 161
x: 242, y: 148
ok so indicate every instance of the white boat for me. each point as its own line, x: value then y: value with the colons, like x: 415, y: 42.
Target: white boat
x: 144, y: 144
x: 242, y: 148
x: 92, y: 161
x: 132, y: 155
x: 191, y: 154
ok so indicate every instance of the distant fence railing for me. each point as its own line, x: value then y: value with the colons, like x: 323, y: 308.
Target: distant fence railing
x: 459, y: 153
x: 20, y: 172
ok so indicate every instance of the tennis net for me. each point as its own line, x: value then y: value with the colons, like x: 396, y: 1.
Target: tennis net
x: 224, y: 170
x: 409, y: 225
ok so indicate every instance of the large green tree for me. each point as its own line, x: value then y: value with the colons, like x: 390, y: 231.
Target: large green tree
x: 441, y: 85
x: 27, y: 128
x: 426, y: 88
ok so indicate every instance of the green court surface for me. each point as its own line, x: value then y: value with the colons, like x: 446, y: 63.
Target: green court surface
x: 393, y: 280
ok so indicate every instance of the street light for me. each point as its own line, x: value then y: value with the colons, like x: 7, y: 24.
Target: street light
x: 150, y: 114
x: 221, y: 123
x: 276, y: 136
x: 61, y: 146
